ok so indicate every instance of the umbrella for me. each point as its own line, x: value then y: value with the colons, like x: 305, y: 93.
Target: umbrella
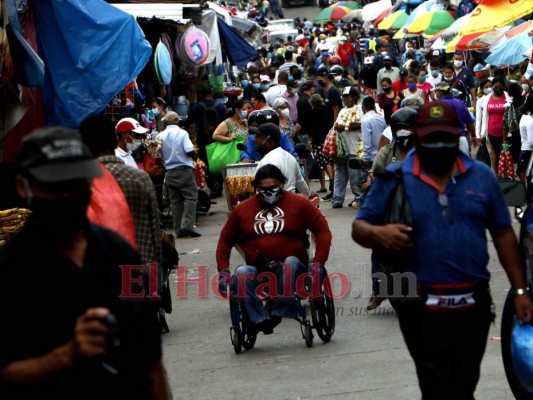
x: 371, y: 11
x: 381, y: 16
x: 396, y: 20
x: 467, y: 42
x: 431, y: 22
x: 427, y: 6
x: 512, y: 51
x: 353, y: 15
x: 524, y: 27
x: 490, y: 14
x: 454, y: 28
x: 332, y: 13
x: 487, y: 39
x: 352, y: 5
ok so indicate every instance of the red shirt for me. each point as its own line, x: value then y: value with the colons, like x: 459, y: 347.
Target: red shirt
x: 496, y: 109
x: 276, y: 232
x: 398, y: 86
x: 344, y: 52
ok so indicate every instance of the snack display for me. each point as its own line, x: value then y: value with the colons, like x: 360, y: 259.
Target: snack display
x: 240, y: 185
x: 351, y: 117
x: 11, y: 221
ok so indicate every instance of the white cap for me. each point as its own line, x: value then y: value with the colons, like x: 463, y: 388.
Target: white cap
x: 343, y: 38
x: 368, y: 60
x: 264, y: 78
x: 436, y: 53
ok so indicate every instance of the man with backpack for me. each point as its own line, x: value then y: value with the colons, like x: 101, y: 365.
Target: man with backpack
x: 205, y: 116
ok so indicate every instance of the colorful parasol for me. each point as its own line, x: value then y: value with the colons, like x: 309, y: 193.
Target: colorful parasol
x: 431, y: 22
x: 453, y: 30
x: 373, y: 10
x: 352, y: 5
x: 353, y: 15
x: 491, y: 14
x: 512, y: 51
x: 523, y: 27
x: 396, y: 20
x: 382, y: 16
x: 332, y: 13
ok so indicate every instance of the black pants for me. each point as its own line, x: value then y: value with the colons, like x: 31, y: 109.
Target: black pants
x: 446, y: 346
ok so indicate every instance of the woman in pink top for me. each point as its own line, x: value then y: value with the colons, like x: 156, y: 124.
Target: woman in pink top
x: 424, y: 85
x: 495, y: 111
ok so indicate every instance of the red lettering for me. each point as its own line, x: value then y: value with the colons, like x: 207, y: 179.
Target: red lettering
x: 241, y: 283
x: 214, y: 284
x: 477, y: 11
x: 344, y: 285
x: 182, y: 280
x: 128, y: 280
x: 152, y: 281
x: 268, y: 288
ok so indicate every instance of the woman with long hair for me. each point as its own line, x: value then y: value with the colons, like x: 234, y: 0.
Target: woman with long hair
x: 317, y: 136
x: 234, y: 125
x: 159, y: 109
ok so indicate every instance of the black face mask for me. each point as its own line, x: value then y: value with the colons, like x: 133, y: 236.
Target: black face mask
x: 388, y: 65
x: 270, y: 196
x: 437, y: 158
x: 321, y: 82
x: 387, y: 90
x: 497, y: 90
x: 61, y: 218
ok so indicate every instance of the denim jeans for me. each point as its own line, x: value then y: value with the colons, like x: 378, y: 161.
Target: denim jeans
x: 284, y: 304
x: 343, y: 175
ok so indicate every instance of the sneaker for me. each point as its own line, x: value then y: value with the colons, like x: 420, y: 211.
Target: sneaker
x: 188, y: 233
x: 374, y: 302
x: 336, y: 205
x: 328, y: 197
x: 322, y: 190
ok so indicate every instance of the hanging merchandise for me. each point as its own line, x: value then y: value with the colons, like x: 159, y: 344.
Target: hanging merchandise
x: 168, y: 44
x: 163, y: 64
x: 192, y: 46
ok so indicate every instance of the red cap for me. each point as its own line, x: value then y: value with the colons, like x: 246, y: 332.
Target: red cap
x: 436, y: 116
x: 130, y: 125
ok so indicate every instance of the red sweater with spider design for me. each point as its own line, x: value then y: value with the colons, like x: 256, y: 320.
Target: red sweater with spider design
x: 277, y: 232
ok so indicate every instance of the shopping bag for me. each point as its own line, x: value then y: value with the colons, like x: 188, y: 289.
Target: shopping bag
x: 522, y: 353
x: 330, y: 144
x: 221, y: 154
x: 505, y: 164
x: 483, y: 154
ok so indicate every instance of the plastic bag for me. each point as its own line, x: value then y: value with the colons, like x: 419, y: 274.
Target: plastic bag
x: 505, y: 164
x: 522, y: 353
x: 483, y: 154
x: 221, y: 154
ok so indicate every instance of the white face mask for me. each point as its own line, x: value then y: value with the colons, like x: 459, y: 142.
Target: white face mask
x: 155, y: 111
x: 457, y: 63
x: 338, y: 78
x: 286, y: 113
x: 487, y: 90
x: 134, y: 145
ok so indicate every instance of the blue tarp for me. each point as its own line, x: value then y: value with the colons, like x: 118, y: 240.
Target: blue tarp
x: 511, y: 52
x: 238, y: 50
x: 91, y: 50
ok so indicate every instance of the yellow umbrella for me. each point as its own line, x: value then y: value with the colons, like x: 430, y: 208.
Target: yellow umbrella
x: 395, y: 20
x: 431, y: 22
x: 452, y: 45
x: 491, y: 14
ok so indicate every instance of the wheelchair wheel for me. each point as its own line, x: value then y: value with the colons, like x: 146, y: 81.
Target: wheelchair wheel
x: 323, y: 313
x: 244, y: 332
x: 308, y: 336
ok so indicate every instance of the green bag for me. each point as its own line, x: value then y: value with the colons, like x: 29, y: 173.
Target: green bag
x: 221, y: 154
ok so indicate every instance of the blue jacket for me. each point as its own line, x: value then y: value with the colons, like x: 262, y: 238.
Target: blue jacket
x: 252, y: 154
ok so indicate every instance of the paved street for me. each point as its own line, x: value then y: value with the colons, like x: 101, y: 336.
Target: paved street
x: 366, y: 358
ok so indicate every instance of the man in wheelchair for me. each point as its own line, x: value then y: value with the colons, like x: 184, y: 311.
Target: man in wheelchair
x: 270, y: 229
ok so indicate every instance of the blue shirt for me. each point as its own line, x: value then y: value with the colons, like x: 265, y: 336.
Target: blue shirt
x: 176, y: 145
x: 252, y: 154
x: 461, y: 111
x: 450, y: 244
x: 372, y: 126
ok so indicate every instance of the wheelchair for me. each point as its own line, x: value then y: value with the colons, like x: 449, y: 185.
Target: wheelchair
x: 243, y: 332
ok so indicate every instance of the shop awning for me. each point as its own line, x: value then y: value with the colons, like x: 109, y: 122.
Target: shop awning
x: 244, y: 25
x: 163, y: 11
x: 238, y: 50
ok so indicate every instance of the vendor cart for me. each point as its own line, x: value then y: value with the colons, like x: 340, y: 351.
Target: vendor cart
x: 238, y: 182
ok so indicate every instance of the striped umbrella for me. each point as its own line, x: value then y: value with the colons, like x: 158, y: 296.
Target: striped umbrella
x: 332, y: 13
x: 396, y: 20
x: 352, y: 5
x: 431, y: 22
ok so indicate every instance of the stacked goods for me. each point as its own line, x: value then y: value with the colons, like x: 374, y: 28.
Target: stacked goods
x: 163, y: 64
x: 239, y: 185
x: 11, y: 221
x: 192, y: 46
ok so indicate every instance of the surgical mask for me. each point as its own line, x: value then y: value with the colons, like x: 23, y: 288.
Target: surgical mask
x: 291, y: 78
x: 457, y: 63
x: 497, y: 90
x: 404, y: 139
x: 338, y: 78
x: 60, y: 218
x: 411, y: 86
x: 286, y: 113
x: 437, y: 158
x: 256, y: 86
x: 422, y: 79
x: 270, y: 196
x: 244, y: 114
x: 487, y: 90
x: 134, y: 145
x: 435, y: 73
x: 244, y: 83
x: 265, y: 87
x: 155, y: 111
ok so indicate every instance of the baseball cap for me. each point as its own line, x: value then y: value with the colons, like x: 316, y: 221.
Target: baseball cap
x: 171, y: 117
x: 436, y: 116
x: 130, y: 124
x: 444, y: 86
x: 436, y: 53
x: 269, y: 129
x: 56, y: 154
x: 307, y: 85
x: 387, y: 58
x: 322, y: 36
x: 343, y: 38
x: 292, y: 84
x: 368, y: 60
x: 349, y: 91
x: 264, y: 78
x: 322, y: 71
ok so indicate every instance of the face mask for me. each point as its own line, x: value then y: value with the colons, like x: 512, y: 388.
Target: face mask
x: 388, y: 65
x: 321, y: 83
x: 134, y: 145
x: 286, y: 113
x: 61, y: 218
x: 525, y: 87
x: 291, y: 78
x: 497, y: 90
x: 256, y: 86
x: 435, y: 73
x: 244, y: 83
x: 404, y: 139
x: 457, y: 63
x: 265, y: 87
x: 338, y: 78
x: 437, y: 158
x: 270, y: 196
x: 387, y: 89
x: 411, y: 86
x: 155, y: 111
x: 422, y: 79
x: 487, y: 90
x: 244, y: 114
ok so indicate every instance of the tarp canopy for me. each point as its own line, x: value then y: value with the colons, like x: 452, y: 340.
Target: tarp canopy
x: 91, y: 51
x: 238, y: 50
x: 244, y: 25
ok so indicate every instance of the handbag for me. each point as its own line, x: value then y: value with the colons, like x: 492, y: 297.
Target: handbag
x: 330, y: 144
x: 221, y: 154
x: 483, y: 154
x: 505, y: 164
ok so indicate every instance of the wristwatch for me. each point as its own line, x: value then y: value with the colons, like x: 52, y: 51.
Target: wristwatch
x: 520, y: 291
